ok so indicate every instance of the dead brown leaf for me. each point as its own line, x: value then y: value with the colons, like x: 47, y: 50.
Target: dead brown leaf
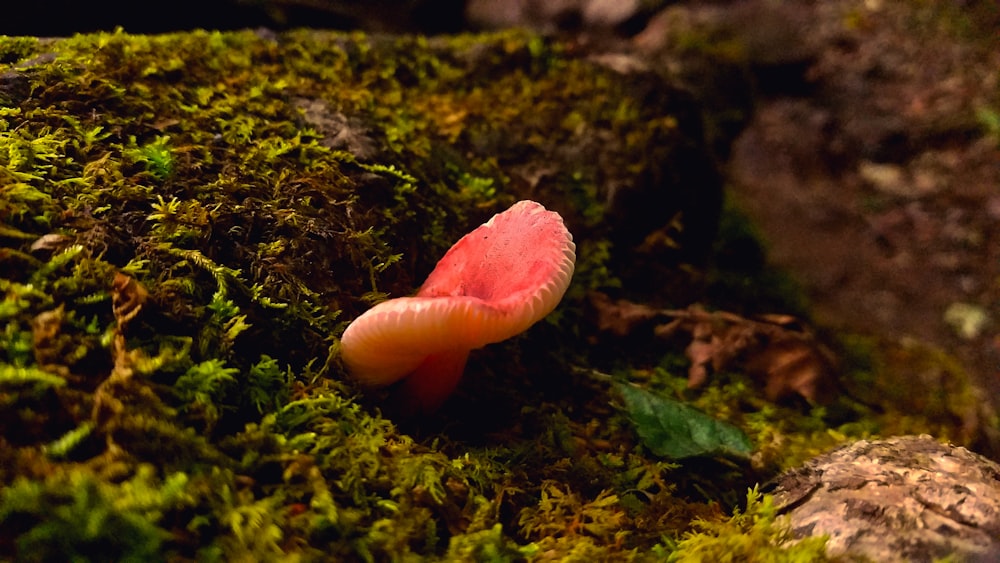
x: 790, y: 365
x: 620, y: 317
x: 50, y: 352
x: 51, y: 241
x: 127, y: 298
x: 775, y: 349
x: 786, y: 359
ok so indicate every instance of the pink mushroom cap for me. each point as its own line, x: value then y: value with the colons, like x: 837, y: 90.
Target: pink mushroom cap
x: 494, y: 283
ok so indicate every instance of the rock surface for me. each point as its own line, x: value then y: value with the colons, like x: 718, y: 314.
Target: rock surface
x: 902, y: 499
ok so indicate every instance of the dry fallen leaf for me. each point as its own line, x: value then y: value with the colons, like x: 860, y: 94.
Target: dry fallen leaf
x: 791, y: 365
x: 45, y: 330
x: 775, y: 349
x: 51, y: 241
x: 620, y: 317
x: 127, y: 298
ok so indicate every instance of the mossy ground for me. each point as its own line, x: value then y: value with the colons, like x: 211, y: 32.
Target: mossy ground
x: 188, y: 223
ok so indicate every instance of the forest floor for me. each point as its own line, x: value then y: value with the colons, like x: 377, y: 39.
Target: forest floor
x: 877, y: 185
x: 872, y: 164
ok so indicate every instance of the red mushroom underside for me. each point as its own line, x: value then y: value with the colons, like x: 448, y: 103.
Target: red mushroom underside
x: 492, y: 284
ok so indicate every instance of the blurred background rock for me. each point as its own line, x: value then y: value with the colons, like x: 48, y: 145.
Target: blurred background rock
x: 64, y: 17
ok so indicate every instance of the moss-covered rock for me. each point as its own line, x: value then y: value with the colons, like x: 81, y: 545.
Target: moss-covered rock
x: 187, y: 223
x: 189, y: 220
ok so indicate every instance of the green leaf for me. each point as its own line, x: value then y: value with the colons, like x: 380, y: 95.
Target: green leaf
x: 674, y: 430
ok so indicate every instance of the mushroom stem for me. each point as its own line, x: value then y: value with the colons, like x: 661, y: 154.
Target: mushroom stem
x: 425, y: 390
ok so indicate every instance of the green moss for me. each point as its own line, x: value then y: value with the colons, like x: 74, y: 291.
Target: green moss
x: 73, y: 516
x: 756, y: 533
x: 15, y: 49
x: 917, y: 388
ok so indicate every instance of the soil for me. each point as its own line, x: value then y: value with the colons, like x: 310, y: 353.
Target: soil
x: 879, y: 186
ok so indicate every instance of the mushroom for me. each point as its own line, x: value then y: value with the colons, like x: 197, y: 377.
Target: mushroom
x: 494, y: 283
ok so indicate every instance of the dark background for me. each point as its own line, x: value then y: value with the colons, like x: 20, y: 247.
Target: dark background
x: 53, y: 18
